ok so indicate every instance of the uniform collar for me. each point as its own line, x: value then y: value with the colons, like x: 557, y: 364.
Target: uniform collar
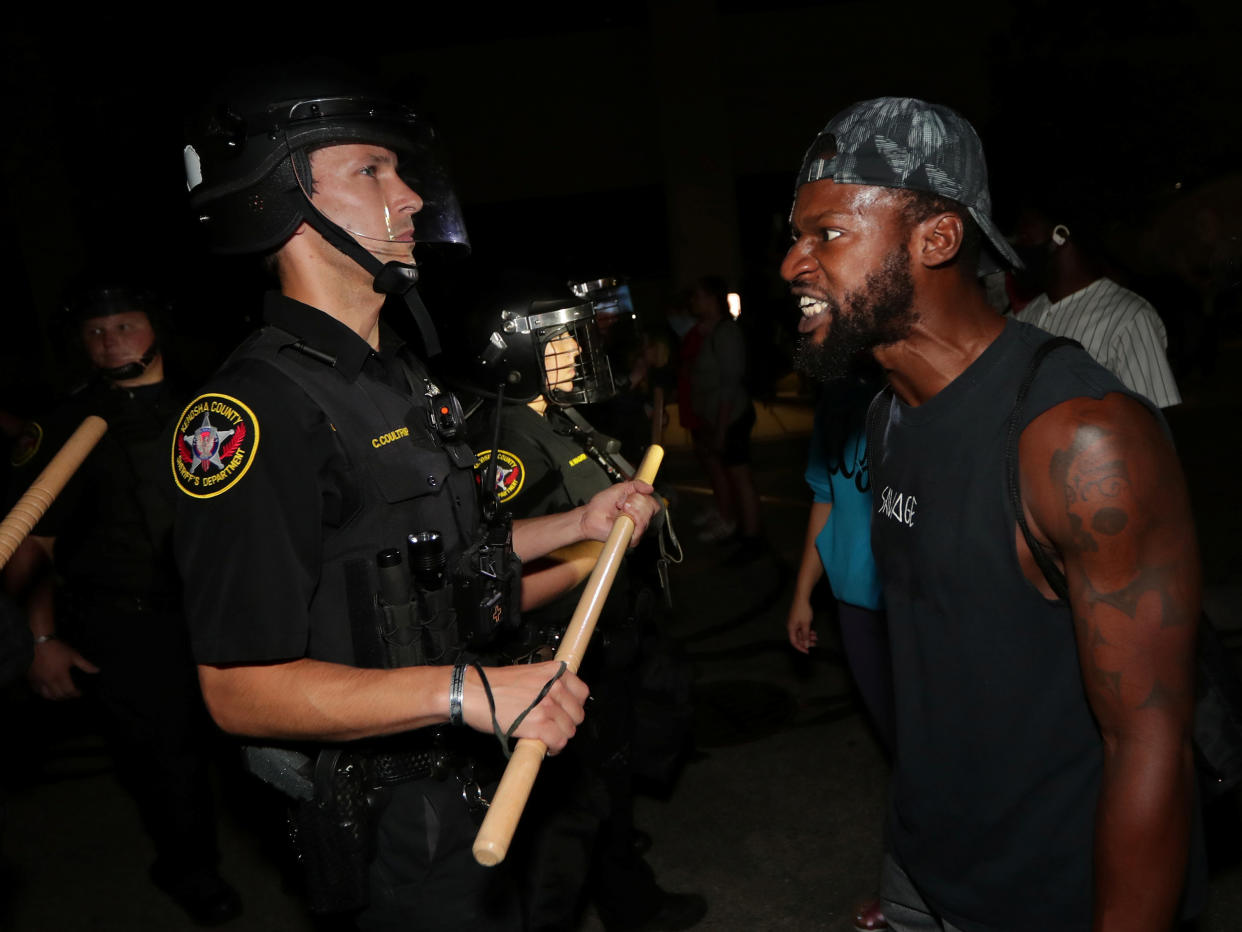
x: 320, y: 332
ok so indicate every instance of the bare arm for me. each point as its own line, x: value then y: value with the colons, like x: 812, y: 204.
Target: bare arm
x: 558, y: 572
x: 30, y: 561
x: 537, y: 537
x: 798, y: 624
x: 317, y: 701
x: 1104, y: 486
x: 28, y: 575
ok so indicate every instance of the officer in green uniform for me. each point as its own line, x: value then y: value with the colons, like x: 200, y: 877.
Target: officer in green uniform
x: 578, y: 830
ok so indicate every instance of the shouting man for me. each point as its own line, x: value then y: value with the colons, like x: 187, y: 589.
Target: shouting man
x: 1043, y: 775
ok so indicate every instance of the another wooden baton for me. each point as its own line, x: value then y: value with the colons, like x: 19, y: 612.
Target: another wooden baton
x: 492, y: 843
x: 49, y: 483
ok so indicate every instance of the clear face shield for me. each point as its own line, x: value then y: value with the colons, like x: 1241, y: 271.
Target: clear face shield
x: 567, y: 340
x: 610, y: 297
x: 375, y: 170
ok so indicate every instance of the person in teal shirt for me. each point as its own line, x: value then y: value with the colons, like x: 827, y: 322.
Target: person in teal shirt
x: 838, y: 541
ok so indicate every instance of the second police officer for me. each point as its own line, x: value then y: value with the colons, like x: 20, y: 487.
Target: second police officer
x: 548, y: 459
x: 112, y: 628
x: 321, y: 443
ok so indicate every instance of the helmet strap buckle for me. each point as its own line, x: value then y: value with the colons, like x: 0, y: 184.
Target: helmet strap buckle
x: 396, y: 278
x: 392, y: 278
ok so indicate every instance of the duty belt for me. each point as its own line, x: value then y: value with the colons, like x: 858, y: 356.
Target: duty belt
x: 391, y: 768
x: 436, y: 755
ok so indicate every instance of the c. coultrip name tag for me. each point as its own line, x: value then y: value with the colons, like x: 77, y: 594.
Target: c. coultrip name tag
x: 385, y: 439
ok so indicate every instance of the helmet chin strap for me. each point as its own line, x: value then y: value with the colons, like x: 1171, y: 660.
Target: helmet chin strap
x: 392, y: 278
x: 131, y: 370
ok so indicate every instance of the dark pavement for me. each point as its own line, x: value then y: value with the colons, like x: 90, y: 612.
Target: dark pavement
x: 776, y: 818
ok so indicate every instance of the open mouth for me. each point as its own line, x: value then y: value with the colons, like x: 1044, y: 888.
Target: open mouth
x: 813, y: 311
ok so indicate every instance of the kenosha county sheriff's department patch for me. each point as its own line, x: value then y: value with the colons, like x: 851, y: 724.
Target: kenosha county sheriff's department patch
x: 215, y: 442
x: 510, y: 473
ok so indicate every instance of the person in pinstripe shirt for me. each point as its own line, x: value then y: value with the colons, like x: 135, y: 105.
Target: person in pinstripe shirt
x: 1120, y: 329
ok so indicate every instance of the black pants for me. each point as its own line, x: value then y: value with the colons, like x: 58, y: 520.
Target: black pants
x: 148, y: 687
x: 425, y: 877
x: 578, y: 831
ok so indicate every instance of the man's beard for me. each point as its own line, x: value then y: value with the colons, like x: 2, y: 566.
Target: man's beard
x: 880, y: 313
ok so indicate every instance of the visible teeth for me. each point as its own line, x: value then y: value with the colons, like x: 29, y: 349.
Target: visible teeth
x: 810, y: 306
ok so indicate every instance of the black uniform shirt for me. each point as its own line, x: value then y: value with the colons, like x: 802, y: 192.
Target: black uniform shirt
x: 266, y: 480
x: 539, y: 471
x: 113, y: 520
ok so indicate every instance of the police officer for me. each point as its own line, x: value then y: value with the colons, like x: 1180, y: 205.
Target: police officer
x: 548, y: 459
x: 322, y: 443
x: 115, y: 629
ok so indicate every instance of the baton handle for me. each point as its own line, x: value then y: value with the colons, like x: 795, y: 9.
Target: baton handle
x: 492, y: 842
x: 49, y: 483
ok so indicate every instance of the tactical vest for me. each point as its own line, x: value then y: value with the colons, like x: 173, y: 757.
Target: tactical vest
x: 400, y: 477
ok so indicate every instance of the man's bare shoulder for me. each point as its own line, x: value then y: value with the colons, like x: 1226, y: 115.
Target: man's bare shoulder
x: 1096, y: 472
x: 1115, y: 413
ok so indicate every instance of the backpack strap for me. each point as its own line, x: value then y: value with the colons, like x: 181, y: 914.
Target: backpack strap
x: 1052, y: 573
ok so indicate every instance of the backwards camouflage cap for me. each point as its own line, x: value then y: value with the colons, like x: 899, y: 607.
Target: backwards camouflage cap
x: 901, y: 142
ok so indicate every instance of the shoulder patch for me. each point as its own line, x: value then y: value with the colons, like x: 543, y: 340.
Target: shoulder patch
x: 510, y: 472
x: 27, y: 444
x: 216, y: 439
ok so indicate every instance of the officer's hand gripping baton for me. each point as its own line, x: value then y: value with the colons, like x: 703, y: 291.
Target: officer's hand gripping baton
x: 492, y: 842
x: 31, y: 506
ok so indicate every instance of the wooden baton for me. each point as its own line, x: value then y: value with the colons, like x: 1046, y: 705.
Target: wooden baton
x: 31, y: 506
x: 492, y: 843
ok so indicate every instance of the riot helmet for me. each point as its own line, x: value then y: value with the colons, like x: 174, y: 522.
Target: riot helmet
x: 93, y: 301
x: 250, y: 168
x: 550, y: 347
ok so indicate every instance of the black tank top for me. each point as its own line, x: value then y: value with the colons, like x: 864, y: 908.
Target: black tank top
x: 998, y: 755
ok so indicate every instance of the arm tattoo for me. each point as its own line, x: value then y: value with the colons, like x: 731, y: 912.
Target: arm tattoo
x: 1099, y: 499
x: 1161, y: 697
x: 1126, y: 599
x: 1101, y: 506
x: 1109, y: 681
x: 1095, y: 492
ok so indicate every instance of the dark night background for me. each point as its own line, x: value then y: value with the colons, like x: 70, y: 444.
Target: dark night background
x: 655, y: 141
x: 658, y: 141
